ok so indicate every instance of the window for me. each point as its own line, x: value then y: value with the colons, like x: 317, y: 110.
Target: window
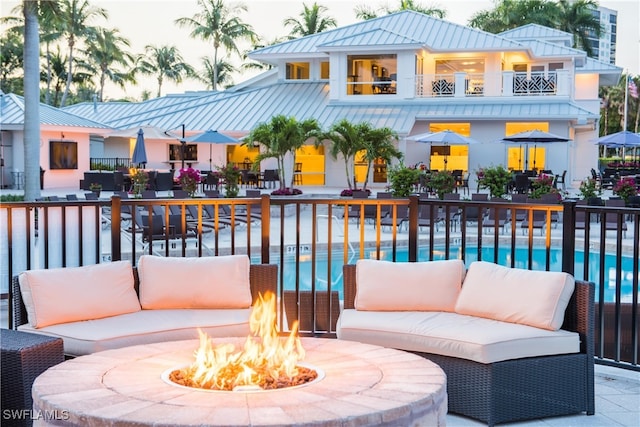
x: 324, y: 70
x: 63, y: 155
x: 371, y: 74
x: 298, y: 71
x: 190, y: 152
x: 522, y: 156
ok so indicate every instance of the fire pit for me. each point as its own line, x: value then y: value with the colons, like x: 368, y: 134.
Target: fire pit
x: 367, y: 385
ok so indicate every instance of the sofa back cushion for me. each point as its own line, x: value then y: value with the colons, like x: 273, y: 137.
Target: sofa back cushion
x: 71, y: 294
x: 408, y: 286
x: 207, y: 282
x: 534, y: 298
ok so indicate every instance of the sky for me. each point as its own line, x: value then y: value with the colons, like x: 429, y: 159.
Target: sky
x: 147, y: 22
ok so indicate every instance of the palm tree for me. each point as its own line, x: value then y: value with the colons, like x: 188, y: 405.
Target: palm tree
x: 31, y: 101
x: 222, y: 71
x: 219, y: 23
x: 311, y: 21
x: 612, y: 101
x: 164, y: 61
x: 75, y: 16
x: 508, y: 14
x: 11, y: 62
x: 379, y: 144
x: 105, y: 51
x: 347, y: 140
x: 365, y: 12
x: 281, y: 137
x: 48, y: 14
x: 576, y: 17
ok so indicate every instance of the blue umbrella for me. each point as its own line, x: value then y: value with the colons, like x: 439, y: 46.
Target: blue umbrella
x: 212, y: 137
x: 622, y: 139
x: 139, y: 152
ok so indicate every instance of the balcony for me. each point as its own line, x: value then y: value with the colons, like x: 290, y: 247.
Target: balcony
x: 504, y: 84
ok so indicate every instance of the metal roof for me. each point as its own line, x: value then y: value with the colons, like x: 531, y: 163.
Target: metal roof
x: 376, y: 37
x: 432, y: 33
x: 12, y: 115
x: 543, y: 48
x: 537, y: 32
x: 242, y: 111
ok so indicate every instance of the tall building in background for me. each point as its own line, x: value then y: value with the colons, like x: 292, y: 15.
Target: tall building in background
x: 604, y: 48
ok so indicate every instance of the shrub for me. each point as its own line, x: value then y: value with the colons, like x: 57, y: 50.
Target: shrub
x: 286, y: 192
x: 442, y: 182
x: 496, y: 179
x: 625, y: 188
x: 589, y: 189
x: 403, y: 179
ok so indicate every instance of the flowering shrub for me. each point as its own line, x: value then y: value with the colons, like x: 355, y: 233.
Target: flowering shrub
x: 625, y: 188
x: 348, y: 192
x: 286, y: 192
x: 480, y: 173
x: 189, y: 179
x: 543, y: 184
x: 403, y: 180
x: 495, y: 178
x: 589, y: 189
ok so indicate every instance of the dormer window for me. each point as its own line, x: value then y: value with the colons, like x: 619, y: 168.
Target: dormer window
x: 298, y: 71
x: 372, y: 74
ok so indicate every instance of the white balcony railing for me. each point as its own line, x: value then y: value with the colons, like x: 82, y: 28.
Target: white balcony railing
x: 507, y: 83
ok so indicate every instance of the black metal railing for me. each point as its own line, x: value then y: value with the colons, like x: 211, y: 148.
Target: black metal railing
x: 109, y: 163
x: 311, y: 238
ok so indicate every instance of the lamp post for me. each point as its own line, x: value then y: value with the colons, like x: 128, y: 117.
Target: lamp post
x: 183, y: 142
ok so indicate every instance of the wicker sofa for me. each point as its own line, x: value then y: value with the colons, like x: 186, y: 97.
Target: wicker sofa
x: 112, y: 305
x: 525, y: 386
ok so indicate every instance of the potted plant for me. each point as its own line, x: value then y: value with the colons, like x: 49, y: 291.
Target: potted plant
x: 625, y: 188
x: 231, y: 176
x: 495, y: 178
x: 442, y: 182
x: 403, y: 179
x: 139, y: 179
x: 589, y: 189
x: 189, y: 179
x: 95, y: 188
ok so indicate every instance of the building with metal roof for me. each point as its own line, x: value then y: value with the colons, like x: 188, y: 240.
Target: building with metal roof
x: 412, y: 73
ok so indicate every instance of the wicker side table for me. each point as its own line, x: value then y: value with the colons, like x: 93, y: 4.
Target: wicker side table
x: 24, y: 357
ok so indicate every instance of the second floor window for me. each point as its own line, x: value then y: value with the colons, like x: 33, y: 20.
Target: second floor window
x: 372, y: 74
x: 298, y: 70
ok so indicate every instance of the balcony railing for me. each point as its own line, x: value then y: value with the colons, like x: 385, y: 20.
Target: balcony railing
x: 311, y: 238
x: 507, y: 83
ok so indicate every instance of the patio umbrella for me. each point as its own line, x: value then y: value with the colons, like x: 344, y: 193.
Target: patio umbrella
x: 212, y: 137
x: 622, y: 139
x: 535, y: 137
x: 445, y: 137
x: 139, y: 152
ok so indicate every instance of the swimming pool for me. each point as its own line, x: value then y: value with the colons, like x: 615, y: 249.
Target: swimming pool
x: 504, y: 258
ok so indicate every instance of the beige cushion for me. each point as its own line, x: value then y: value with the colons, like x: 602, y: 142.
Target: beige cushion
x: 61, y: 295
x: 534, y: 298
x: 408, y: 286
x: 207, y: 282
x: 145, y: 327
x: 454, y: 335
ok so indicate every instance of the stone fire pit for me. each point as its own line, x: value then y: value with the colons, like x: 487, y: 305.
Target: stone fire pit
x: 364, y: 384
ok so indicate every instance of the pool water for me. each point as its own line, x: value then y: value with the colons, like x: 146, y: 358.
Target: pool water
x: 504, y: 258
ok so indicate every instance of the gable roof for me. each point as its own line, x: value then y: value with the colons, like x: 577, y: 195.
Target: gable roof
x: 537, y: 32
x: 12, y: 115
x: 432, y: 33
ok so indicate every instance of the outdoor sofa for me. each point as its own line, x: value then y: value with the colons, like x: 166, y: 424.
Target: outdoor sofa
x: 515, y: 344
x: 112, y: 305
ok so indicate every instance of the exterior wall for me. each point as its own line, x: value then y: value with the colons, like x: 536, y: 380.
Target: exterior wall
x: 586, y: 87
x: 63, y: 177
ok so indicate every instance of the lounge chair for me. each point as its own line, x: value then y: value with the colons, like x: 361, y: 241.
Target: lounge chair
x: 401, y: 217
x: 429, y: 216
x: 538, y: 221
x: 497, y: 217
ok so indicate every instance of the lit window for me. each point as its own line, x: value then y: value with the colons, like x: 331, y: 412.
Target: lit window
x: 371, y: 74
x: 298, y: 71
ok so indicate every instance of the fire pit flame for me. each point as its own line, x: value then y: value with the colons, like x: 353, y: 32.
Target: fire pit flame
x: 266, y: 361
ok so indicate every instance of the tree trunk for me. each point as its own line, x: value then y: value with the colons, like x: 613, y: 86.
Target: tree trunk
x: 67, y: 87
x: 31, y: 101
x: 47, y: 95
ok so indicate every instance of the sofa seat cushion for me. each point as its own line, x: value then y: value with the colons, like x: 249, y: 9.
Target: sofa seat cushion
x: 146, y: 326
x: 455, y: 335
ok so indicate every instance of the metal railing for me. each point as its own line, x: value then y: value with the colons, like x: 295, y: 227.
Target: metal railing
x: 311, y: 238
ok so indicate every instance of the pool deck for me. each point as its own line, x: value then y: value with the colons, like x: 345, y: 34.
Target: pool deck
x: 617, y: 390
